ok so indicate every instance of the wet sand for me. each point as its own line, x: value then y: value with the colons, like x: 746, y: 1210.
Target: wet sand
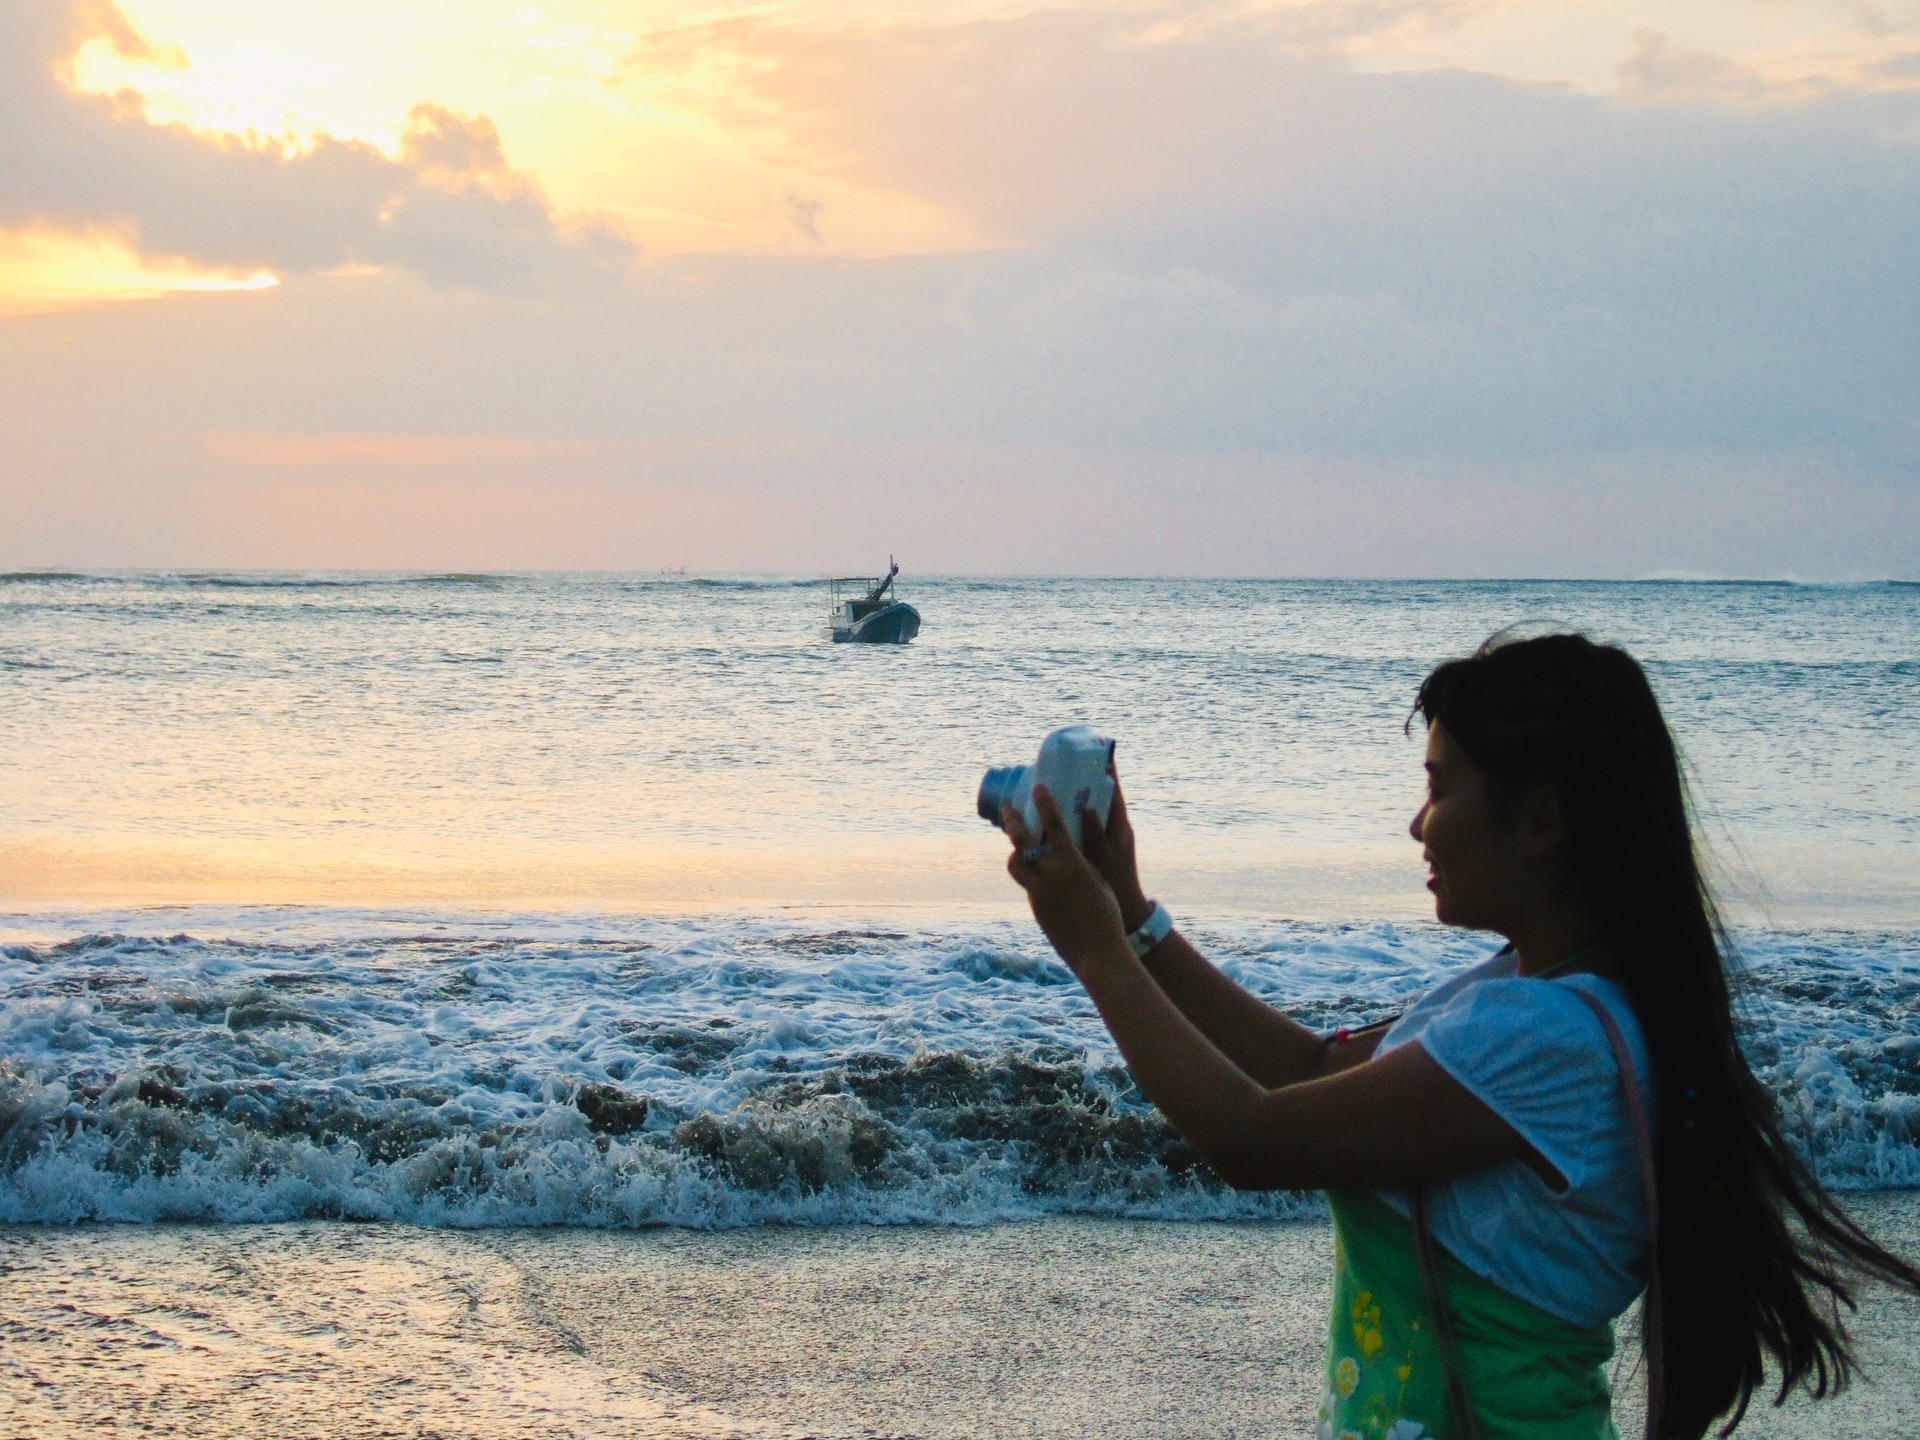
x: 1067, y: 1327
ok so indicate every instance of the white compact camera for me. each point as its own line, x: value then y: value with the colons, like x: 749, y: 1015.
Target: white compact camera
x: 1075, y: 765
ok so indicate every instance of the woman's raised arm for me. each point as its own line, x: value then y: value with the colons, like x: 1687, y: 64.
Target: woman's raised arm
x: 1399, y: 1120
x: 1269, y: 1045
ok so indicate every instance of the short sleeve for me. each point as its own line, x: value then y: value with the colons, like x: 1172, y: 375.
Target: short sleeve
x: 1536, y: 1056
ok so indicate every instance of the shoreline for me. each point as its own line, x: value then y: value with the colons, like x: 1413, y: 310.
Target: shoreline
x: 17, y: 912
x: 286, y: 1064
x: 1062, y: 1327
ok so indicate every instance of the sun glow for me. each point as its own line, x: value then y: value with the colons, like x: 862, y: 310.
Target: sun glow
x: 677, y: 152
x: 43, y: 271
x: 821, y: 128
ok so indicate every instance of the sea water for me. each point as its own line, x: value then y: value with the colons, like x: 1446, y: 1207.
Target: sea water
x: 478, y: 900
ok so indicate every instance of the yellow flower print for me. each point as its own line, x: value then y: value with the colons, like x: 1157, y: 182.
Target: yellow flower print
x: 1404, y: 1372
x: 1346, y: 1375
x: 1366, y: 1324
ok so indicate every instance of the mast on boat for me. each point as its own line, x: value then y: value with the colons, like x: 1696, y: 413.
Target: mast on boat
x: 873, y: 618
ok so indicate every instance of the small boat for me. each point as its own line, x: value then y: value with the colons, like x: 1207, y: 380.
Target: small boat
x: 860, y: 611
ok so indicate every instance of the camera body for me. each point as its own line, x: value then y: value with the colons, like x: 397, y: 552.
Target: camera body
x: 1074, y: 764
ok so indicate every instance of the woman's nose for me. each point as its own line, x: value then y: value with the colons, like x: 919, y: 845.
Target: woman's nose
x: 1418, y: 828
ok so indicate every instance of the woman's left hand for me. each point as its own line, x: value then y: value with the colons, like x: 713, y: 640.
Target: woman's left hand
x: 1075, y: 907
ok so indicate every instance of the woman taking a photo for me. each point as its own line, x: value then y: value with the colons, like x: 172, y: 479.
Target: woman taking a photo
x: 1518, y: 1156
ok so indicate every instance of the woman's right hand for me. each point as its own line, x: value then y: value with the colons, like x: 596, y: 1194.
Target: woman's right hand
x: 1110, y: 848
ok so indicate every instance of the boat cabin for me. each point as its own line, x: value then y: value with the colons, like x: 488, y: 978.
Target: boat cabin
x: 860, y: 607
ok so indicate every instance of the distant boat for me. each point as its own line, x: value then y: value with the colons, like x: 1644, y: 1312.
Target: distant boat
x: 861, y: 612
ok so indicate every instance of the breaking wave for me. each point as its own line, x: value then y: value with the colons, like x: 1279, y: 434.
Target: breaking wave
x: 449, y: 1070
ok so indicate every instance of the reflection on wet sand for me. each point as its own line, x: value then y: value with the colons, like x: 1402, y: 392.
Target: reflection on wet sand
x: 1056, y: 1330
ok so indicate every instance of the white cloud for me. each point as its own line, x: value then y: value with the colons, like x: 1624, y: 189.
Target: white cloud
x: 448, y: 209
x: 1657, y: 71
x: 1538, y: 329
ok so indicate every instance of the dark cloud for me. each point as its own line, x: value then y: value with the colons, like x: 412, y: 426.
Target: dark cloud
x: 805, y: 215
x: 1230, y: 243
x: 449, y: 209
x: 1657, y: 71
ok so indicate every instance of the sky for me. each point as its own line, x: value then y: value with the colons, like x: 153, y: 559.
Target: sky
x: 1289, y: 287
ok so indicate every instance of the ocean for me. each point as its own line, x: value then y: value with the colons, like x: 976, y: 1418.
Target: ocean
x: 612, y: 901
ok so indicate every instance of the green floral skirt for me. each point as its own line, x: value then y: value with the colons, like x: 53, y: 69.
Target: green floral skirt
x: 1528, y: 1374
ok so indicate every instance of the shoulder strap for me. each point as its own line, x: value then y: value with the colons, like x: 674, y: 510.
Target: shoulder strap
x: 1643, y: 1143
x: 1466, y: 1427
x: 1457, y: 1399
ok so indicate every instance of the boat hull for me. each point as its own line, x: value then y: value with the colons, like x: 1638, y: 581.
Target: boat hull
x: 895, y: 625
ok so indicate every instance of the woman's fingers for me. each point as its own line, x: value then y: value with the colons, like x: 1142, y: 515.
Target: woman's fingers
x: 1015, y: 824
x: 1053, y: 825
x: 1094, y: 839
x: 1073, y: 902
x: 1110, y: 845
x: 1117, y: 822
x: 1029, y: 849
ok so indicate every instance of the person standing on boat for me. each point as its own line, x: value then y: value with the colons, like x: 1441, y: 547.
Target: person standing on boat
x: 1512, y: 1161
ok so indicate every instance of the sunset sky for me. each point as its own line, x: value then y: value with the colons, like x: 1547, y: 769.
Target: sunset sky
x: 1416, y: 287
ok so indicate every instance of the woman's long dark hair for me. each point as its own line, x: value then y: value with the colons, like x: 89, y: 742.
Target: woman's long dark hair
x: 1756, y: 1260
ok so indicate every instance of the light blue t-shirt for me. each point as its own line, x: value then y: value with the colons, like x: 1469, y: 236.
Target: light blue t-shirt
x: 1536, y: 1056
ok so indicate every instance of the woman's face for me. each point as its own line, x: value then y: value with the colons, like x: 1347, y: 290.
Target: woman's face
x: 1477, y: 859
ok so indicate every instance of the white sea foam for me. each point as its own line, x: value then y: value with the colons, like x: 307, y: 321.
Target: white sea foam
x: 538, y: 1070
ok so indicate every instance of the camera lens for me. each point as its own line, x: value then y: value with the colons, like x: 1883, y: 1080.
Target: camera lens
x: 998, y: 788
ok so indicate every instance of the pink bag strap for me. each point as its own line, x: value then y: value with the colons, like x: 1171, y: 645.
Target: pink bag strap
x: 1459, y: 1405
x: 1457, y: 1399
x: 1643, y: 1142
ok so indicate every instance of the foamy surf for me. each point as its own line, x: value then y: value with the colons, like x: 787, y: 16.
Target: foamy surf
x: 450, y: 1070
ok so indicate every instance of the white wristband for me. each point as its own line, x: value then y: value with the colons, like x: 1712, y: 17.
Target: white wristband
x: 1155, y: 928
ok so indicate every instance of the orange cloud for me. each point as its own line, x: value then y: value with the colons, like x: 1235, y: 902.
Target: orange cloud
x: 1658, y: 71
x: 43, y: 271
x: 449, y: 209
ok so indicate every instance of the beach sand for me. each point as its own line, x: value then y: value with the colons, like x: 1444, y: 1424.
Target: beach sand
x: 1063, y: 1327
